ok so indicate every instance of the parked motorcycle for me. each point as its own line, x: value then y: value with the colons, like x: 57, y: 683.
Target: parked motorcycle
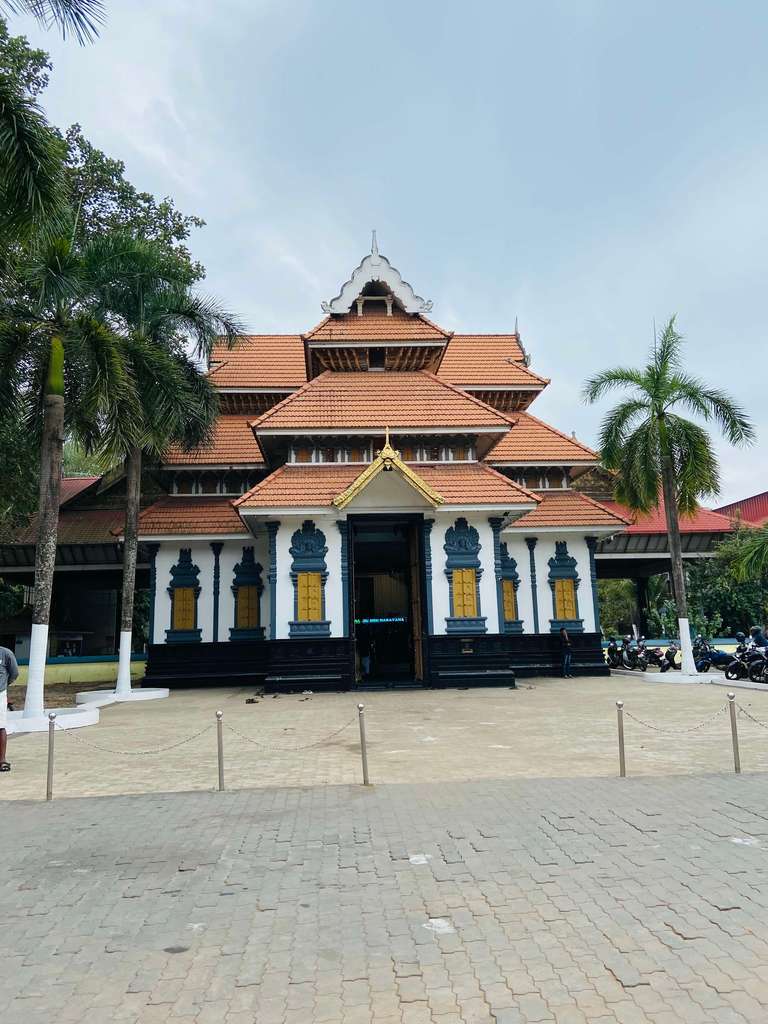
x: 612, y: 655
x: 757, y: 662
x: 642, y: 654
x: 653, y: 655
x: 739, y: 666
x: 628, y: 653
x: 668, y: 658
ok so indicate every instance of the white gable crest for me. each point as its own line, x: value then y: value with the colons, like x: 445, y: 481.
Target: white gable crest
x: 376, y: 267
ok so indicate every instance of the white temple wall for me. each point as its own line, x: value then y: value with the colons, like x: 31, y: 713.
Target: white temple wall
x: 518, y: 549
x: 334, y: 604
x: 544, y: 550
x: 441, y: 601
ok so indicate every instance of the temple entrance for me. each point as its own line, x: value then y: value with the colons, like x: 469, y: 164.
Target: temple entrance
x: 386, y: 600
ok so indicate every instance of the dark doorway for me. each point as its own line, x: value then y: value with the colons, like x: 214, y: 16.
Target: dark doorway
x: 386, y: 600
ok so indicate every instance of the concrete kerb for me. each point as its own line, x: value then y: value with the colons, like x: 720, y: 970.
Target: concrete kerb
x: 67, y: 718
x: 103, y: 698
x: 672, y: 677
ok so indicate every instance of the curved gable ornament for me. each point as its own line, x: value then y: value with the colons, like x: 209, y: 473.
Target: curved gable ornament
x: 377, y: 268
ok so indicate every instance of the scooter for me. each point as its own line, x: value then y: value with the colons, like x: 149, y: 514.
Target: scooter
x: 642, y: 654
x: 628, y: 653
x: 612, y: 655
x: 668, y: 659
x: 757, y: 662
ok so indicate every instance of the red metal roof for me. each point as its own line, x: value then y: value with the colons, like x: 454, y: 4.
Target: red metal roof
x: 703, y: 521
x: 752, y: 510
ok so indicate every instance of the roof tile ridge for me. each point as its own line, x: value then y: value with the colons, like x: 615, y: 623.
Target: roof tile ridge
x: 249, y: 493
x: 470, y: 398
x: 254, y: 424
x: 543, y: 423
x: 437, y: 327
x: 597, y: 504
x: 307, y: 335
x: 512, y: 483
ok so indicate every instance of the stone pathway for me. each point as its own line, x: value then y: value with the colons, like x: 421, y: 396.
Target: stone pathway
x: 546, y: 728
x: 511, y: 901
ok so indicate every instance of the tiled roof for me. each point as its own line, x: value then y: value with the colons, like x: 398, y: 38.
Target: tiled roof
x: 752, y: 510
x: 703, y: 521
x: 71, y: 486
x: 532, y: 440
x: 569, y: 508
x: 458, y: 483
x: 376, y: 326
x: 487, y: 360
x: 260, y: 361
x: 185, y: 515
x: 361, y: 401
x: 233, y: 443
x: 78, y: 526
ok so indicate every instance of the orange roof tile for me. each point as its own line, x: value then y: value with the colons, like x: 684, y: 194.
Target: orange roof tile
x: 78, y: 526
x: 703, y: 521
x: 569, y: 508
x: 487, y: 360
x: 185, y: 515
x: 233, y: 444
x: 532, y: 440
x: 260, y: 361
x: 373, y: 401
x: 71, y: 486
x: 458, y: 483
x: 375, y: 326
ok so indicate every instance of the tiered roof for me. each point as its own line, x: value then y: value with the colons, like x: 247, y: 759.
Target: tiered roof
x: 487, y: 361
x: 199, y: 516
x: 260, y: 361
x: 415, y: 401
x: 532, y: 441
x: 232, y: 444
x: 377, y: 328
x: 563, y: 509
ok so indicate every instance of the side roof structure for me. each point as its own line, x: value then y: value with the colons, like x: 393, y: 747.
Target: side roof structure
x: 561, y: 510
x: 487, y: 361
x: 259, y: 362
x: 232, y: 444
x: 532, y: 441
x: 752, y: 510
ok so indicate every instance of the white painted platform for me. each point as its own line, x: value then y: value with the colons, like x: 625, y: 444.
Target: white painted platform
x: 66, y: 718
x: 672, y: 676
x: 739, y: 684
x: 103, y: 698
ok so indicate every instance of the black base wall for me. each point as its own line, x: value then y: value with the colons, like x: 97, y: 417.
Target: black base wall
x: 327, y: 663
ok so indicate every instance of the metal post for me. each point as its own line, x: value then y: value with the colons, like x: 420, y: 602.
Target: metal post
x: 220, y: 746
x: 363, y: 745
x: 620, y: 722
x: 734, y: 733
x: 49, y: 780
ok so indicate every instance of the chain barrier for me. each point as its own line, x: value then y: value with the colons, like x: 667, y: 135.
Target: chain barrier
x: 676, y: 732
x: 743, y: 711
x: 294, y: 749
x: 72, y: 734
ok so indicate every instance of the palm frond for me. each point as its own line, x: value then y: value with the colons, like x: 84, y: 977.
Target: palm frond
x: 618, y: 377
x: 752, y: 561
x: 640, y: 468
x: 80, y: 18
x: 32, y: 182
x: 615, y: 428
x: 666, y: 351
x: 694, y: 460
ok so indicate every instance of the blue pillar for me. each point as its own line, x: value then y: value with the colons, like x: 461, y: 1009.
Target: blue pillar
x: 531, y: 542
x: 495, y: 524
x: 592, y: 545
x: 216, y: 546
x: 272, y: 529
x: 426, y: 530
x: 152, y: 550
x: 343, y: 527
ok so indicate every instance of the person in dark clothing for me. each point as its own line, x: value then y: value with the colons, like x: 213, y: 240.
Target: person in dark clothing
x: 566, y: 653
x: 758, y: 637
x: 9, y: 673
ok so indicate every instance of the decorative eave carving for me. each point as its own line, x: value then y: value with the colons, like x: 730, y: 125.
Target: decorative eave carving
x: 388, y: 460
x: 376, y: 267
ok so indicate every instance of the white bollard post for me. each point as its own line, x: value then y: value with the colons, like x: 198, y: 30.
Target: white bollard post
x: 363, y: 744
x: 734, y: 733
x: 220, y: 747
x: 49, y: 779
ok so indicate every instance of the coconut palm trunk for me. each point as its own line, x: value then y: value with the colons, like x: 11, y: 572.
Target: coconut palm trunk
x: 130, y: 548
x: 47, y: 528
x: 676, y: 559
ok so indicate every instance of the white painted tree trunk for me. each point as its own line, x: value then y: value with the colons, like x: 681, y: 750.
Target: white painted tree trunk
x: 123, y: 687
x: 686, y: 647
x: 38, y: 650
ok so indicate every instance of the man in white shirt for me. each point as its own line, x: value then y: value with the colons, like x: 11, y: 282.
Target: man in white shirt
x: 9, y: 673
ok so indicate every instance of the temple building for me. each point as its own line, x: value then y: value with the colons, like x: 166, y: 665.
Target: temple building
x: 377, y: 506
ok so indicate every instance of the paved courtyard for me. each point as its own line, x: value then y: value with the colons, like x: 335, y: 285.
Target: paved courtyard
x: 570, y: 901
x: 546, y: 728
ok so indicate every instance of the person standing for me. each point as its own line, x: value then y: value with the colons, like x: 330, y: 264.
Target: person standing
x: 9, y: 673
x: 566, y: 653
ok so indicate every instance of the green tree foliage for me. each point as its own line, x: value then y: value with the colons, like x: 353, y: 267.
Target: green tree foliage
x: 618, y: 606
x: 79, y: 462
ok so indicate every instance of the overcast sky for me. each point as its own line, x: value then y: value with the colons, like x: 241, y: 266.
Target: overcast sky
x: 587, y: 166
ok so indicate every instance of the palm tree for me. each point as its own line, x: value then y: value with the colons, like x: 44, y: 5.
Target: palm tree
x: 62, y: 368
x: 751, y: 563
x: 32, y: 182
x: 658, y: 451
x: 157, y: 316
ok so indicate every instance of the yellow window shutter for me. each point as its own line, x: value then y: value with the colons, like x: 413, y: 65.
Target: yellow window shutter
x: 510, y: 600
x: 310, y: 597
x: 184, y: 608
x: 464, y: 593
x: 565, y: 599
x: 247, y: 607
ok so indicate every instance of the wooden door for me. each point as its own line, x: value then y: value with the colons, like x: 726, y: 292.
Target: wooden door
x: 416, y: 620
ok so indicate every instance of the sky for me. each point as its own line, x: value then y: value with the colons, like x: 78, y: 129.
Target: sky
x: 587, y: 166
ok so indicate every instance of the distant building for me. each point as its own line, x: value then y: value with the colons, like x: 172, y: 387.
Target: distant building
x: 750, y: 511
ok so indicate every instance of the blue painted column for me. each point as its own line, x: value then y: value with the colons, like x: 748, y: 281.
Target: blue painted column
x: 152, y: 550
x: 272, y: 529
x: 426, y: 531
x: 343, y: 527
x: 592, y: 545
x: 531, y: 542
x: 216, y: 546
x: 495, y: 524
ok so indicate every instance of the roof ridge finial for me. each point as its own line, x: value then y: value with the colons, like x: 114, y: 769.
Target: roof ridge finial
x: 374, y: 244
x: 517, y: 332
